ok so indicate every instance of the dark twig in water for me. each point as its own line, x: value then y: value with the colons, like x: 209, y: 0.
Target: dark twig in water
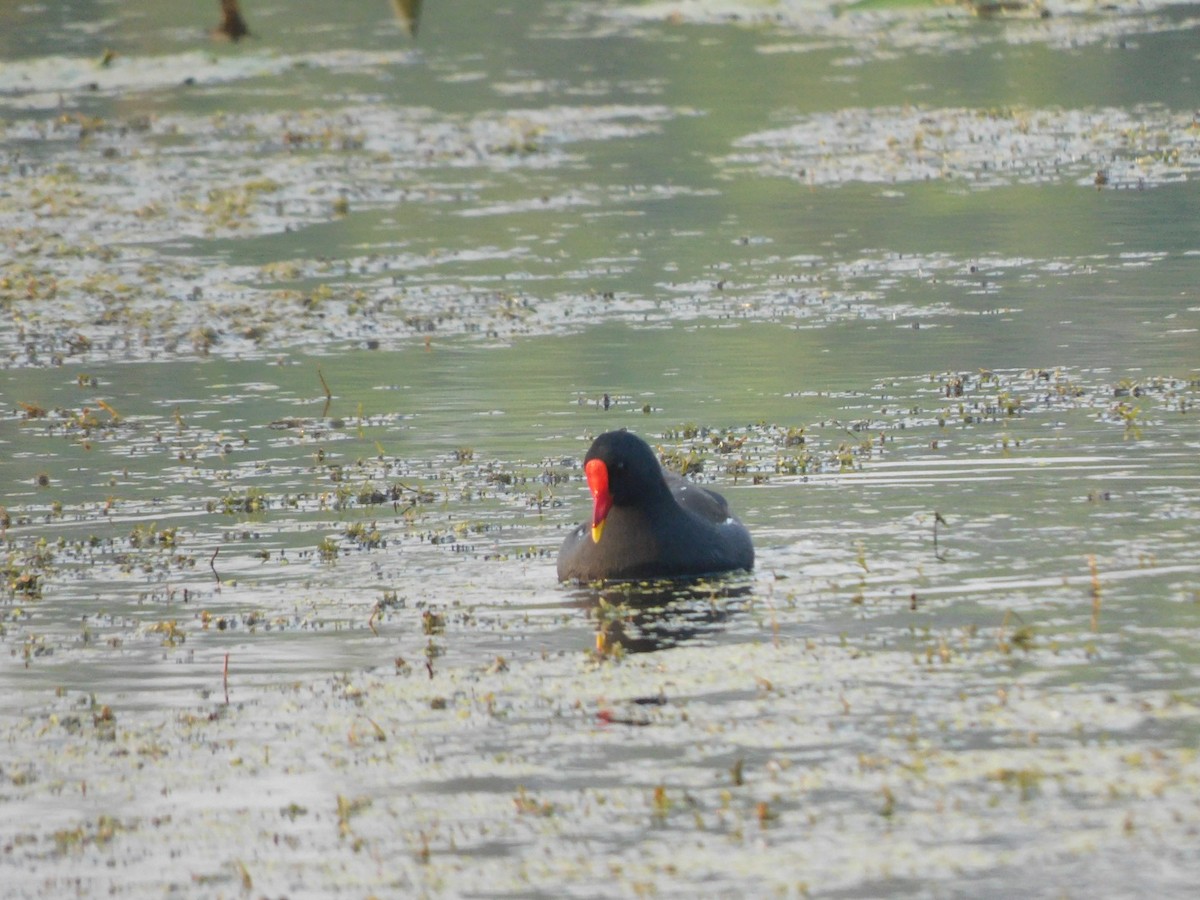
x: 212, y: 565
x: 225, y: 679
x: 938, y: 519
x: 328, y: 394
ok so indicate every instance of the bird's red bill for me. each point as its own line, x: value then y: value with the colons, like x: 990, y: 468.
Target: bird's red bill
x: 597, y: 479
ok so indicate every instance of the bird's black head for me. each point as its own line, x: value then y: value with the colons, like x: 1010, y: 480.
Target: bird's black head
x: 633, y: 472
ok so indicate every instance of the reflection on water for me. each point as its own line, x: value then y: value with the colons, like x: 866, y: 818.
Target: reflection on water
x: 640, y: 617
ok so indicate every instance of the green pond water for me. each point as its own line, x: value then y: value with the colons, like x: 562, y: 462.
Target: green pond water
x: 303, y: 339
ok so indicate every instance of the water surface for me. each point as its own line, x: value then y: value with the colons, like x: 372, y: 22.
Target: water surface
x: 304, y: 338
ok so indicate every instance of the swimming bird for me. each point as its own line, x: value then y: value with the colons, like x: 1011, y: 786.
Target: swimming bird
x: 647, y: 522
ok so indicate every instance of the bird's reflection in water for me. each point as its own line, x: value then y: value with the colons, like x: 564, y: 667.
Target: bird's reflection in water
x: 644, y: 616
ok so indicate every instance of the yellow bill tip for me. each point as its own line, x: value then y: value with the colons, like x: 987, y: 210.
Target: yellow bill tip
x: 597, y: 530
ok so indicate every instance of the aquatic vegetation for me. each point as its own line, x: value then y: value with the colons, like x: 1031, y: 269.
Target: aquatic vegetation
x: 978, y: 148
x: 530, y: 806
x: 367, y: 537
x: 149, y: 535
x: 328, y: 550
x: 433, y: 622
x: 172, y: 634
x: 252, y: 500
x: 22, y: 581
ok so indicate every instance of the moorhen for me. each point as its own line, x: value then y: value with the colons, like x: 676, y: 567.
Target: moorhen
x: 647, y: 522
